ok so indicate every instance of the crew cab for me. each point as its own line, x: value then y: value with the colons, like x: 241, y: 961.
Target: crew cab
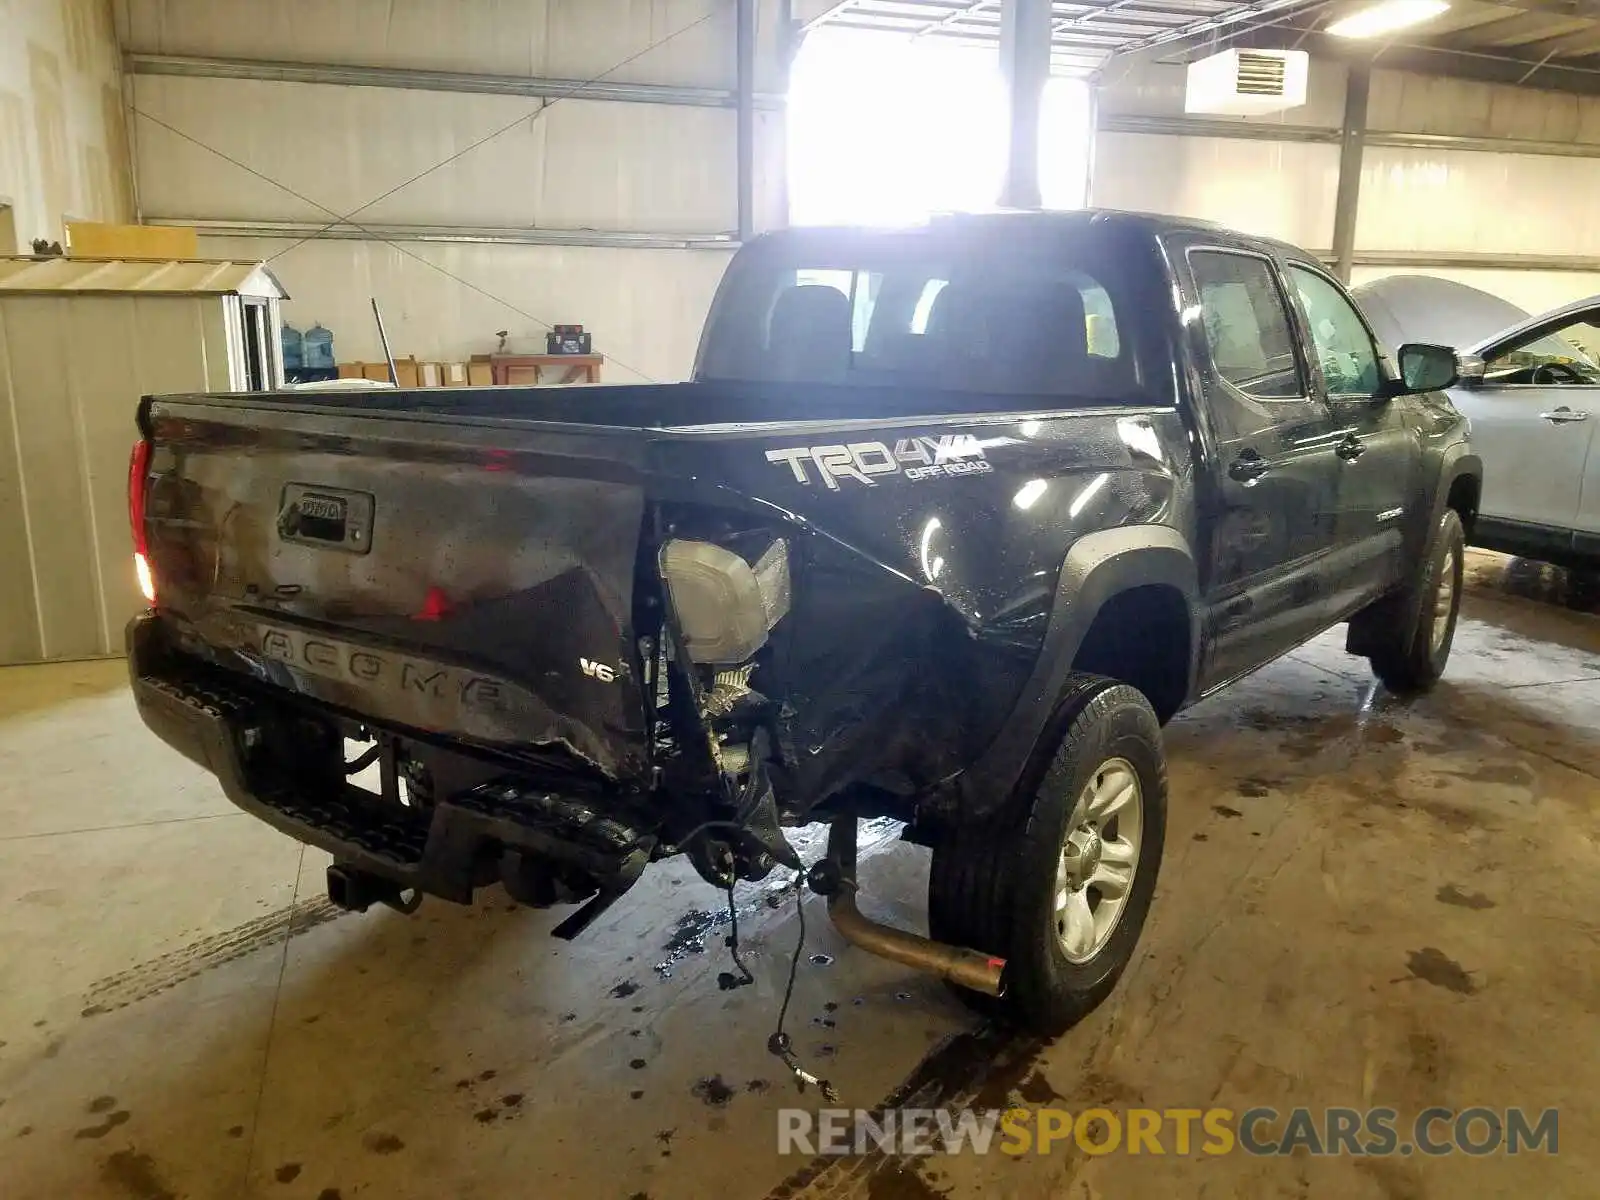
x: 947, y: 523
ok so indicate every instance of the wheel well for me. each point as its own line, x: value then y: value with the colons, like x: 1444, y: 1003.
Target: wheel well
x: 1463, y: 497
x: 1141, y: 637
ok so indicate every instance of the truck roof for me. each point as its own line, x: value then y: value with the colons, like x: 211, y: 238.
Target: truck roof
x: 1020, y: 220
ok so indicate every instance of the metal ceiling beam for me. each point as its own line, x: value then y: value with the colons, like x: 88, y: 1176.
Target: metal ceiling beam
x: 1577, y: 44
x: 1025, y: 66
x: 1569, y: 76
x: 1272, y: 131
x: 439, y: 81
x: 1352, y: 141
x: 958, y: 16
x: 1218, y: 22
x: 744, y: 141
x: 1084, y: 18
x: 1513, y: 30
x: 483, y: 235
x: 828, y: 14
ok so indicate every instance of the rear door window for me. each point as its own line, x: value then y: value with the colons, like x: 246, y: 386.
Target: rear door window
x: 982, y: 316
x: 1246, y: 321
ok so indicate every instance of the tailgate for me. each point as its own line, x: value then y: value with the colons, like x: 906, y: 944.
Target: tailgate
x: 471, y: 577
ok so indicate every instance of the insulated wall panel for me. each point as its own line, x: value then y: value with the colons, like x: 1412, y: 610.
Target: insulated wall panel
x: 571, y: 164
x: 1276, y: 189
x: 1461, y: 200
x: 1466, y: 108
x: 652, y: 41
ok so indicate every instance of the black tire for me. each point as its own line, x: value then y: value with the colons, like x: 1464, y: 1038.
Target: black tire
x: 993, y: 886
x: 1414, y: 664
x: 1583, y: 589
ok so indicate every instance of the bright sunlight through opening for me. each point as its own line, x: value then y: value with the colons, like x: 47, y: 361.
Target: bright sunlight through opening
x: 886, y: 130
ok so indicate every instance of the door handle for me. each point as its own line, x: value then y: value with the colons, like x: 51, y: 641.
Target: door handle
x: 1247, y: 468
x: 1351, y: 448
x: 1563, y: 415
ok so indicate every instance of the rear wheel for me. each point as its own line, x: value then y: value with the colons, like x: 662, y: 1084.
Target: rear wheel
x: 1415, y: 664
x: 1060, y: 884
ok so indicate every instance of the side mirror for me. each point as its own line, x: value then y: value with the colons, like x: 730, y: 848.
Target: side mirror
x: 1424, y: 368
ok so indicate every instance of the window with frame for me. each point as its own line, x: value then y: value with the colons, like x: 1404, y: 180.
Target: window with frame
x: 898, y: 311
x: 1566, y: 356
x: 1344, y: 347
x: 1246, y: 321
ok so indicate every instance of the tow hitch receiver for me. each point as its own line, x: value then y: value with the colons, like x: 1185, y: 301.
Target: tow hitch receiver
x: 355, y: 890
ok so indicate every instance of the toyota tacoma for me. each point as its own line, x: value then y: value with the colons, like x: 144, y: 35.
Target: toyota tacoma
x: 947, y: 523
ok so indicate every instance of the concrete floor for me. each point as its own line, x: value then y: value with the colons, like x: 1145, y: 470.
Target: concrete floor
x: 1364, y: 901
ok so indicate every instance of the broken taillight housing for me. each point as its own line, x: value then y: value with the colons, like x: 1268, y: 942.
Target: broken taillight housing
x: 726, y: 606
x: 138, y: 480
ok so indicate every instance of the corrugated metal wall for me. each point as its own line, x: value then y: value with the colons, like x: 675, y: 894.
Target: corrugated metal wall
x: 1281, y: 189
x: 1466, y: 214
x: 576, y: 165
x: 70, y: 368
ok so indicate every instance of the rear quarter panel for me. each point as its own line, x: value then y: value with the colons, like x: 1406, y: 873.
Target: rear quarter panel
x: 927, y: 556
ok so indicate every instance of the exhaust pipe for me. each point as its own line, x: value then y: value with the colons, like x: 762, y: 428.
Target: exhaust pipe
x: 970, y: 969
x: 965, y: 968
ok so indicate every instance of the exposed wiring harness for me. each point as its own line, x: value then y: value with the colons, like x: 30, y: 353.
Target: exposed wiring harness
x: 779, y: 1045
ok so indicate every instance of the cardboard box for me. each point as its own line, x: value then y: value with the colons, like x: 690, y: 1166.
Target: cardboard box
x: 455, y: 374
x: 479, y: 374
x: 378, y: 371
x: 430, y: 374
x: 406, y: 374
x: 90, y: 239
x: 352, y: 370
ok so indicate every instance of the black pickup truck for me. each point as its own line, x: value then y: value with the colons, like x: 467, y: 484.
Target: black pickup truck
x: 947, y: 523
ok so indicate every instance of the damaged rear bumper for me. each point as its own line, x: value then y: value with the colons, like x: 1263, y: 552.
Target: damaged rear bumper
x: 464, y: 841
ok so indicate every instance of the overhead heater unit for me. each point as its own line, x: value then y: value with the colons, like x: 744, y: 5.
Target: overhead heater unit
x: 1245, y: 83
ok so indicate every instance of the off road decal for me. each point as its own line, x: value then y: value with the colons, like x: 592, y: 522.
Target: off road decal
x: 915, y: 458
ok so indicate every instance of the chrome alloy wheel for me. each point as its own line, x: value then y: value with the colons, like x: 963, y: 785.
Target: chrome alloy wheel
x: 1444, y: 599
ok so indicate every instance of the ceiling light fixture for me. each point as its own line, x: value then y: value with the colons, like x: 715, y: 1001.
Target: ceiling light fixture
x: 1386, y: 17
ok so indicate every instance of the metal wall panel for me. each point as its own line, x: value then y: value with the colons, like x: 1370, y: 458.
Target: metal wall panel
x: 63, y: 142
x: 20, y: 636
x: 644, y: 307
x: 576, y: 39
x: 1455, y: 200
x: 1276, y: 189
x: 51, y: 454
x: 582, y: 164
x: 579, y: 164
x: 72, y: 369
x: 1430, y: 104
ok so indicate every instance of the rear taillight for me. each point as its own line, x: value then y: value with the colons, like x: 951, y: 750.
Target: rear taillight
x: 138, y: 478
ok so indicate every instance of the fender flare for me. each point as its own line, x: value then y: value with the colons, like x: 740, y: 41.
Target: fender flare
x: 1097, y: 568
x: 1404, y: 608
x: 1457, y: 460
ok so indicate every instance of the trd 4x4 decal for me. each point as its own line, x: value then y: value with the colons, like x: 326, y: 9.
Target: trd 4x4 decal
x: 916, y: 458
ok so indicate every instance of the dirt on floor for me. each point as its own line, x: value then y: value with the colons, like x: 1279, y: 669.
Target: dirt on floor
x: 1365, y: 903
